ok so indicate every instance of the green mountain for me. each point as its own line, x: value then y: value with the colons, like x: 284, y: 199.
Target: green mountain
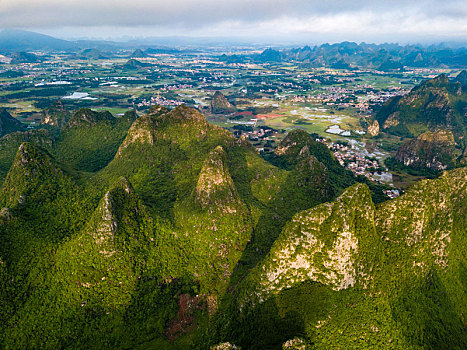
x: 462, y: 78
x: 87, y: 117
x: 133, y: 63
x: 374, y: 56
x: 90, y: 139
x: 24, y: 57
x: 92, y: 54
x: 30, y: 171
x: 164, y: 231
x: 432, y: 150
x: 433, y: 115
x: 11, y: 74
x: 9, y: 145
x: 354, y: 275
x: 55, y: 115
x: 220, y: 104
x: 435, y: 103
x: 14, y: 39
x: 8, y: 123
x: 138, y: 53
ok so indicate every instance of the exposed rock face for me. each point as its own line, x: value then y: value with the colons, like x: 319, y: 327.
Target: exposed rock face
x: 55, y: 115
x: 327, y: 244
x: 219, y: 104
x: 183, y: 117
x: 294, y: 344
x: 340, y: 244
x: 215, y: 188
x: 216, y: 221
x: 10, y: 143
x: 87, y: 117
x: 373, y: 128
x: 225, y: 346
x: 439, y: 106
x: 295, y: 143
x: 5, y: 215
x: 157, y: 110
x: 107, y: 221
x: 31, y: 156
x: 143, y: 130
x: 9, y: 124
x: 393, y: 120
x: 432, y: 150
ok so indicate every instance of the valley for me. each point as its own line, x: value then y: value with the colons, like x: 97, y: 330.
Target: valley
x: 224, y: 198
x: 269, y: 98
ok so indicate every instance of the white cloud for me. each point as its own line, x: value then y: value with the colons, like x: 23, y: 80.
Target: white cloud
x: 342, y: 19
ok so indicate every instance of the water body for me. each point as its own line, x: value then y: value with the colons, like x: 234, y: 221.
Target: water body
x: 76, y: 96
x: 335, y: 129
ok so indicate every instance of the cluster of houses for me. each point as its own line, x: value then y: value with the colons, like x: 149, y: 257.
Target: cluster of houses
x: 357, y: 163
x: 392, y: 193
x: 263, y: 139
x: 346, y: 98
x: 176, y: 87
x: 158, y: 100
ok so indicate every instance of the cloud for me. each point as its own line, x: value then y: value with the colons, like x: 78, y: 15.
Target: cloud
x: 445, y: 18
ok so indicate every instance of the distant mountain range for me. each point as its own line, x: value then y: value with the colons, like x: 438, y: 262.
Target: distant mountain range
x: 344, y: 55
x: 14, y: 40
x: 385, y: 57
x: 19, y: 40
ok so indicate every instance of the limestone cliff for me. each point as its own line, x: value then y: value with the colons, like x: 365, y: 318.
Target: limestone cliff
x: 55, y: 115
x: 216, y: 221
x: 333, y: 243
x: 432, y: 150
x: 373, y: 128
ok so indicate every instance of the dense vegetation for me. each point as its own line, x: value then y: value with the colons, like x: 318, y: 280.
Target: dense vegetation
x: 8, y: 124
x: 433, y: 114
x: 435, y: 103
x: 167, y: 232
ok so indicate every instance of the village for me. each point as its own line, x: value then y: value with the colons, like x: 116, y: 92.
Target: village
x: 266, y: 139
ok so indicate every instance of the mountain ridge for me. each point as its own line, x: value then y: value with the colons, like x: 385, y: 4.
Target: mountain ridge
x: 185, y: 237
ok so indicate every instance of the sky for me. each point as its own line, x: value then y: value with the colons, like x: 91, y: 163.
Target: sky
x: 406, y: 21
